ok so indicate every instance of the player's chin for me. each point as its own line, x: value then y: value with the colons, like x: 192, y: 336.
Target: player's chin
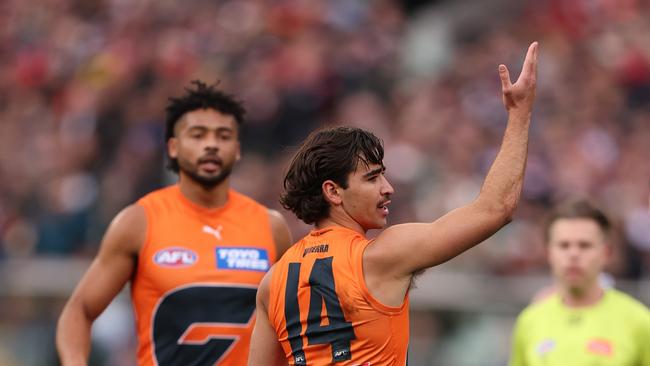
x: 208, y: 172
x: 379, y: 223
x: 573, y: 281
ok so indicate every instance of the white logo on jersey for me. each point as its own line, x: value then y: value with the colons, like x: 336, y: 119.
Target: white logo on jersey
x: 253, y: 259
x: 175, y: 257
x: 340, y: 353
x: 213, y: 231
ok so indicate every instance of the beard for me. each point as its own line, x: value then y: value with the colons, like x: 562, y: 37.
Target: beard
x: 207, y: 182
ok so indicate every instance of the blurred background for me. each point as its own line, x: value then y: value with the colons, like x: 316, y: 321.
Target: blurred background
x: 83, y: 85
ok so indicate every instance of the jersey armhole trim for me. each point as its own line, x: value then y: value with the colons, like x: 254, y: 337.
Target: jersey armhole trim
x: 269, y: 229
x: 275, y: 293
x: 376, y: 304
x: 147, y: 236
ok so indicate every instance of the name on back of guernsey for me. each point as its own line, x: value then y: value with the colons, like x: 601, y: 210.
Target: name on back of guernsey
x: 321, y: 248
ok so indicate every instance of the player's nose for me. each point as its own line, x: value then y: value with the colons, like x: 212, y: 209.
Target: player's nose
x: 211, y: 144
x: 386, y: 187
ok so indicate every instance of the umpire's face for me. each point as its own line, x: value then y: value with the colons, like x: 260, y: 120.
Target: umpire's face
x: 577, y: 252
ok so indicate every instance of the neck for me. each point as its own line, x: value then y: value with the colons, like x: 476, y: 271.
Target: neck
x: 580, y: 297
x: 212, y: 197
x: 344, y: 221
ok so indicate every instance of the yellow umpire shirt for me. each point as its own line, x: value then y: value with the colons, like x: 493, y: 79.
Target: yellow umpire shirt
x: 613, y: 332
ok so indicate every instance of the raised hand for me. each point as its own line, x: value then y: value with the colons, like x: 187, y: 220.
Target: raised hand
x: 520, y: 95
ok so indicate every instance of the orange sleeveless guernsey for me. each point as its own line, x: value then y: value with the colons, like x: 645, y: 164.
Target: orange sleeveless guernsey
x: 322, y: 311
x: 197, y: 276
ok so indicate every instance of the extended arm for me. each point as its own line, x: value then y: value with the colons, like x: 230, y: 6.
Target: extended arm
x: 401, y: 250
x: 111, y: 269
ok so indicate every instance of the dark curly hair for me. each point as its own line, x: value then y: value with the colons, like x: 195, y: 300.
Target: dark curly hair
x: 200, y: 96
x: 578, y: 208
x: 326, y: 154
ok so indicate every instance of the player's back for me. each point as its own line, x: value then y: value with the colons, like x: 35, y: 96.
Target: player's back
x: 322, y: 311
x: 198, y: 273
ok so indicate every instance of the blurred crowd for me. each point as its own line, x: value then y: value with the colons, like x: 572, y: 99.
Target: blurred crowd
x: 83, y: 86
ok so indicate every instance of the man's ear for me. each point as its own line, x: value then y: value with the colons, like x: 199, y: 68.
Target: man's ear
x: 332, y: 192
x: 609, y: 250
x: 172, y: 147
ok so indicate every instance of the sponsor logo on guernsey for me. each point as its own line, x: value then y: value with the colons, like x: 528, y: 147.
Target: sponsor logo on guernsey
x: 600, y: 346
x: 340, y: 354
x: 545, y: 346
x: 323, y: 248
x: 299, y: 358
x: 249, y: 259
x: 214, y: 231
x: 175, y: 257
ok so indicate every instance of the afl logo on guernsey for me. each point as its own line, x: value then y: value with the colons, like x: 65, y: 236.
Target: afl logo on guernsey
x: 175, y: 257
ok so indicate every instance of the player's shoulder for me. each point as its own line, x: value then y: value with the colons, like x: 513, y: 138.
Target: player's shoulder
x: 240, y: 200
x: 292, y: 253
x: 160, y: 193
x: 127, y: 230
x: 265, y: 284
x: 272, y: 284
x: 538, y: 308
x: 129, y: 217
x: 629, y: 304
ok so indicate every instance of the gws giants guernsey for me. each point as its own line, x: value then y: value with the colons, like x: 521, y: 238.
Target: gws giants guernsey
x: 322, y: 311
x: 197, y: 276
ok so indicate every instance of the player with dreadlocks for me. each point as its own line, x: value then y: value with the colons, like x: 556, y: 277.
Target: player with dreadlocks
x: 194, y: 252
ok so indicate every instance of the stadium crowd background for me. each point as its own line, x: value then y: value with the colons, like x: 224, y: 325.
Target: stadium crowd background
x: 83, y: 86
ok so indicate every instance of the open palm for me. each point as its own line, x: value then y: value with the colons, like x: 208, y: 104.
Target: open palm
x: 521, y: 94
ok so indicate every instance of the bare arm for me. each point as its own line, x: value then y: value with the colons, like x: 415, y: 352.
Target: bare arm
x: 265, y: 348
x: 281, y: 233
x: 111, y: 269
x: 401, y: 250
